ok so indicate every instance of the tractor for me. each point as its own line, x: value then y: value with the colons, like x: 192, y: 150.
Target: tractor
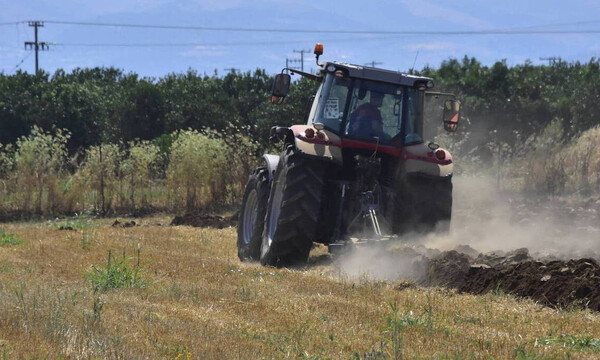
x: 359, y: 169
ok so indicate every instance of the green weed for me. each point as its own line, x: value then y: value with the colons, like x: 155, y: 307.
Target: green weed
x: 117, y: 274
x: 8, y: 239
x: 374, y: 354
x: 85, y: 240
x: 522, y: 354
x: 571, y: 342
x: 73, y: 224
x: 467, y: 320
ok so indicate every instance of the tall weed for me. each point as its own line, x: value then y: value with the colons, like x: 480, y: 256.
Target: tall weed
x: 138, y: 170
x: 40, y: 163
x: 198, y: 164
x: 116, y: 274
x: 99, y: 175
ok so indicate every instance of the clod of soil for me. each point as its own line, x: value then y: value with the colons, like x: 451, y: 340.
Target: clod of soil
x: 448, y: 269
x: 125, y: 224
x: 204, y: 220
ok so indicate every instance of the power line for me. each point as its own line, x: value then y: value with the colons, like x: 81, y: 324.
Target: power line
x: 558, y: 24
x: 222, y: 44
x: 11, y: 23
x: 181, y: 44
x: 514, y: 31
x: 23, y: 60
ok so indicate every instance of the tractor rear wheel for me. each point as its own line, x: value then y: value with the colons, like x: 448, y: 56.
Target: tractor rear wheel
x: 293, y: 211
x: 423, y: 205
x: 434, y: 204
x: 252, y: 215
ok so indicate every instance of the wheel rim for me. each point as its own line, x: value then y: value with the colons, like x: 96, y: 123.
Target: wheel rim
x: 275, y: 208
x: 250, y: 214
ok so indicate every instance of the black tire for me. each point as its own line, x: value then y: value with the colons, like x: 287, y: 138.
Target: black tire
x: 423, y: 205
x: 252, y: 215
x: 293, y: 211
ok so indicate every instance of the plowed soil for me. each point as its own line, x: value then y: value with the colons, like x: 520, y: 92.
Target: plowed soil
x: 553, y: 283
x: 205, y: 220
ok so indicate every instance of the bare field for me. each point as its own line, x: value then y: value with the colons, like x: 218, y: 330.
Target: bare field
x: 191, y: 298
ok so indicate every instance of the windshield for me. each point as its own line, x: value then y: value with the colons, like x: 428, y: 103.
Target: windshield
x: 370, y: 110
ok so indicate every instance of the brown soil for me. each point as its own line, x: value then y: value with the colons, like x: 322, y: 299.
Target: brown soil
x: 125, y: 224
x: 554, y: 283
x: 205, y: 220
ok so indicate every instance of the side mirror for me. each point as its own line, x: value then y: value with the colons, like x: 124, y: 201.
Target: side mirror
x: 451, y: 115
x: 281, y: 86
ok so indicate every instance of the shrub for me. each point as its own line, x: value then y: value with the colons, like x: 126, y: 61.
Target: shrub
x: 138, y: 170
x: 197, y: 166
x: 554, y: 168
x: 40, y: 160
x: 583, y: 162
x: 98, y: 178
x: 242, y: 159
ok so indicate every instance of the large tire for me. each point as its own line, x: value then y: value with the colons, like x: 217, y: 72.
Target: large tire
x: 293, y: 211
x: 252, y: 215
x: 423, y: 205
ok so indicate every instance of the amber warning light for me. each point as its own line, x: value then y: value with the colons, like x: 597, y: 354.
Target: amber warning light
x: 319, y: 49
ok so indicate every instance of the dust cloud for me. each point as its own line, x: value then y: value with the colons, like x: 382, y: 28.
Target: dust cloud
x: 486, y: 220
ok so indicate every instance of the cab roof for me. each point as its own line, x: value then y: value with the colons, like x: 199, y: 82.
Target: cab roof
x: 376, y: 74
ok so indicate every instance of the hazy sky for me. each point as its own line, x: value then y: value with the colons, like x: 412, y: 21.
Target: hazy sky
x: 455, y: 28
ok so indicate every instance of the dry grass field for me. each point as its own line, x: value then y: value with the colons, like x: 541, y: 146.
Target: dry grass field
x: 181, y: 293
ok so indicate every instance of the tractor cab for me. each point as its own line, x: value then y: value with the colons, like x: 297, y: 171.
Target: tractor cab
x: 368, y: 110
x: 373, y: 105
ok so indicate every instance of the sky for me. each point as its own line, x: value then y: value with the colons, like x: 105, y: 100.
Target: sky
x: 220, y: 35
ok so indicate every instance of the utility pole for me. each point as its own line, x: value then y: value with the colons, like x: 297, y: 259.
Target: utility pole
x: 552, y: 60
x: 36, y: 45
x: 301, y: 52
x: 373, y: 63
x: 291, y: 61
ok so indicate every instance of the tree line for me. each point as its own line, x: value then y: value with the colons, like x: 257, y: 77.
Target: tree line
x: 507, y: 105
x: 103, y: 140
x: 108, y: 105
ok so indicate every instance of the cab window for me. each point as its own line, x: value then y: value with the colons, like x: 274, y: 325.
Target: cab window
x: 332, y: 102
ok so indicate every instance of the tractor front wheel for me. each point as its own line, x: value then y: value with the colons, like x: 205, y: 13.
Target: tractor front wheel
x: 252, y: 215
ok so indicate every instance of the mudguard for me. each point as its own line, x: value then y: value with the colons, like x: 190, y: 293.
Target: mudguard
x: 420, y: 159
x: 272, y: 161
x: 327, y: 146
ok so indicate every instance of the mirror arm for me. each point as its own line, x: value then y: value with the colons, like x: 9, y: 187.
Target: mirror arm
x: 314, y: 77
x: 435, y: 93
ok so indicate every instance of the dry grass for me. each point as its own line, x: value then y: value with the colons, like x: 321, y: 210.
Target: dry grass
x: 200, y: 302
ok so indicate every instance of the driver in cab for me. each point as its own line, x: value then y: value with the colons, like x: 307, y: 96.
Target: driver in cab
x: 366, y: 121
